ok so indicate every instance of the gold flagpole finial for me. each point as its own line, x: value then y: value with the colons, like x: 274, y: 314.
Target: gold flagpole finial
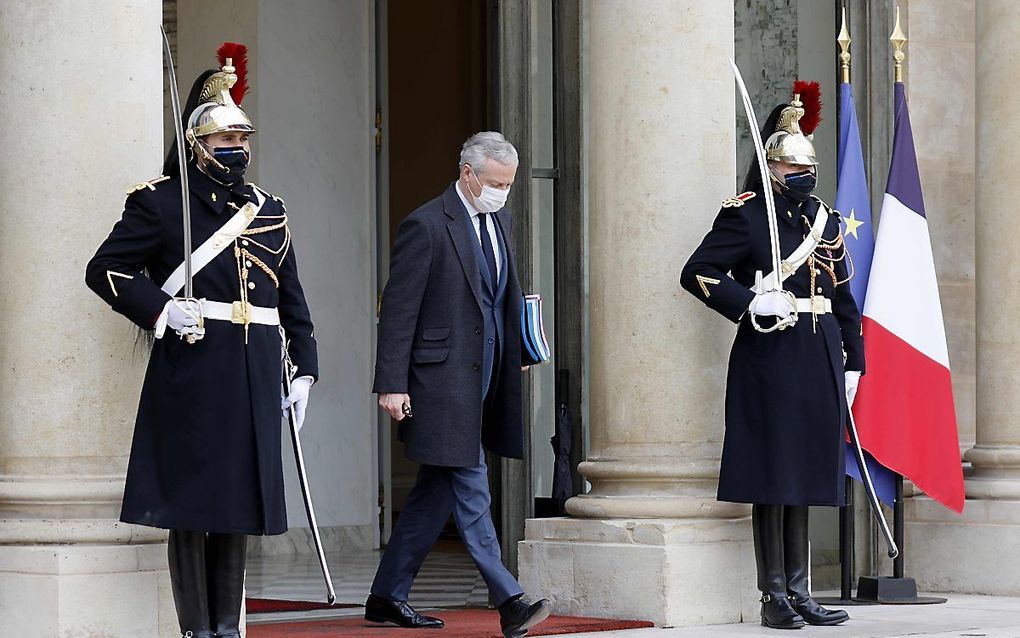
x: 844, y: 46
x: 898, y: 39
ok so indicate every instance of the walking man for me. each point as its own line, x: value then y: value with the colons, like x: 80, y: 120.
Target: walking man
x: 449, y: 371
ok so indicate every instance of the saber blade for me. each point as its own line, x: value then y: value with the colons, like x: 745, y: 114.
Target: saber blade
x: 175, y: 103
x: 869, y: 486
x: 770, y: 202
x: 305, y: 491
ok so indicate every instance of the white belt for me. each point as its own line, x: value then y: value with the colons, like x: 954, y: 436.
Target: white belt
x: 818, y: 305
x: 235, y: 313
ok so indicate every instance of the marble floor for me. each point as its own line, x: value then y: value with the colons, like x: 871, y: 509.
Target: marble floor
x: 450, y: 579
x: 961, y: 617
x: 447, y: 579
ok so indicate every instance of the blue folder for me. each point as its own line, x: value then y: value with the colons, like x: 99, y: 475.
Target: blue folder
x: 534, y: 347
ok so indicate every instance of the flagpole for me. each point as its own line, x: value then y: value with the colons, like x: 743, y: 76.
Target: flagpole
x: 897, y: 590
x: 898, y: 40
x: 847, y: 538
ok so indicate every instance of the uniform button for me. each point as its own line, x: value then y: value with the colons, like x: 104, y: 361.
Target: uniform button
x: 244, y: 242
x: 475, y: 367
x: 478, y: 330
x: 818, y: 271
x: 491, y: 340
x: 819, y: 289
x: 251, y: 286
x: 247, y: 264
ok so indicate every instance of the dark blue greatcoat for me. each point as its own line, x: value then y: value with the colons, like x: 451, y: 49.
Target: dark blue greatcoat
x: 206, y: 451
x: 785, y: 391
x: 442, y: 340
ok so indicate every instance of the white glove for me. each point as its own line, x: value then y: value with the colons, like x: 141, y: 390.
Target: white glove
x: 774, y: 303
x: 178, y: 316
x: 852, y: 378
x: 299, y: 399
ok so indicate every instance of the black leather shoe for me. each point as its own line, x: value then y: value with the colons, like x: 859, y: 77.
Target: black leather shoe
x: 777, y: 612
x: 815, y: 614
x: 518, y: 615
x: 398, y: 613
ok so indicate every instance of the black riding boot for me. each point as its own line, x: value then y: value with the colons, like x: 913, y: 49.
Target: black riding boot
x: 776, y: 609
x: 186, y: 556
x: 225, y: 568
x: 795, y: 523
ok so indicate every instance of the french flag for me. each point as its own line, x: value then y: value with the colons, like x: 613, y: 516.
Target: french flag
x: 854, y: 203
x: 904, y: 406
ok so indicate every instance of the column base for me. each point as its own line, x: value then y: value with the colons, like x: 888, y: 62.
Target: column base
x: 977, y: 552
x: 115, y: 591
x: 672, y: 572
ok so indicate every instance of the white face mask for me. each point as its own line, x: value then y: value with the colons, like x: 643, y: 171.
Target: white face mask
x: 491, y: 199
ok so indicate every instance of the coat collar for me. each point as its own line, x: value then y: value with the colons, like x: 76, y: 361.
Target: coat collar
x: 210, y: 192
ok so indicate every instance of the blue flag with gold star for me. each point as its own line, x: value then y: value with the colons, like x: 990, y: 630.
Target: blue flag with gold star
x: 852, y: 200
x: 853, y: 204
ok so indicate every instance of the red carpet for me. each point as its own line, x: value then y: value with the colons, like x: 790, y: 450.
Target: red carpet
x: 269, y: 606
x: 461, y: 623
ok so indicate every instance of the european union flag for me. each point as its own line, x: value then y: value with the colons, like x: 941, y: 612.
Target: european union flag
x: 854, y: 206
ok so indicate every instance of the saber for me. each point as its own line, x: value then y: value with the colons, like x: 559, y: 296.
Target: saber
x: 770, y: 208
x: 289, y: 369
x: 190, y: 334
x: 869, y: 487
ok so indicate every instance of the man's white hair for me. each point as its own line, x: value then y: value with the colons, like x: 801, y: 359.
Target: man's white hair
x: 487, y: 145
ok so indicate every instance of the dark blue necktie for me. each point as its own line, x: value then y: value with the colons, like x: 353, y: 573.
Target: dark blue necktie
x: 490, y: 256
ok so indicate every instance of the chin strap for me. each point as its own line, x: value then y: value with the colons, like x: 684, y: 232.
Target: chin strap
x: 200, y: 149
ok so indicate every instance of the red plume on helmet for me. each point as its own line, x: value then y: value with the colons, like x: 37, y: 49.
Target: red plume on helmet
x: 811, y: 97
x: 238, y: 53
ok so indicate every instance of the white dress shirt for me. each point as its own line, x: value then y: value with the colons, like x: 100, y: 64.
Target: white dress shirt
x: 477, y: 223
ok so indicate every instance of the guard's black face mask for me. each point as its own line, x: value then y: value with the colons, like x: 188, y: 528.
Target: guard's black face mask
x: 235, y: 161
x: 799, y: 186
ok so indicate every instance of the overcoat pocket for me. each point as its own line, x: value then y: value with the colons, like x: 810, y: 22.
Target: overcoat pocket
x: 435, y: 334
x: 430, y: 355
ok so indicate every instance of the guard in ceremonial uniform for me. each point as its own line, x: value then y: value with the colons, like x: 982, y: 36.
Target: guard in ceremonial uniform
x: 788, y: 390
x: 206, y: 460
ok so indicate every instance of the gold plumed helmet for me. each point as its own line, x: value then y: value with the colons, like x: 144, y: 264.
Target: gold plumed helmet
x: 218, y: 110
x: 791, y: 142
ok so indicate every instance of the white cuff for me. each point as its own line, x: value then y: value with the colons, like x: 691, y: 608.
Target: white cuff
x: 161, y: 321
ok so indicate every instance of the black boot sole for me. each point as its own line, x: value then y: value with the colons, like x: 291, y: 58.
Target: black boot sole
x: 794, y: 625
x: 827, y: 623
x: 386, y: 621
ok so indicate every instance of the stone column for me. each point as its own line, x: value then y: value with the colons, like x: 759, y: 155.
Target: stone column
x: 81, y: 93
x: 649, y: 540
x: 988, y: 530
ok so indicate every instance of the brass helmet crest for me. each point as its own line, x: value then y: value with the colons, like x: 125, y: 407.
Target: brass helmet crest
x: 219, y: 110
x: 792, y: 140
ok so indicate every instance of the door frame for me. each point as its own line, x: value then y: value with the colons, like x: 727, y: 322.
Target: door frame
x: 510, y: 71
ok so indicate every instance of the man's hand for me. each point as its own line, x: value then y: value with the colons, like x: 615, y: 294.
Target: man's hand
x: 394, y: 405
x: 852, y: 378
x: 298, y: 399
x: 179, y: 316
x: 774, y: 303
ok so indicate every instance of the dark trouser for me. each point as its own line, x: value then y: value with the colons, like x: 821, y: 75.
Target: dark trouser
x: 207, y: 575
x: 781, y: 549
x: 438, y: 491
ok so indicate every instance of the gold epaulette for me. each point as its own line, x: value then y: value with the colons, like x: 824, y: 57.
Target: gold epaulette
x: 266, y: 193
x: 151, y: 184
x: 738, y: 201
